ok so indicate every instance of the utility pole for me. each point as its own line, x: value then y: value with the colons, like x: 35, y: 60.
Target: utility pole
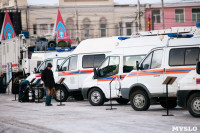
x: 76, y: 16
x: 16, y: 6
x: 163, y: 19
x: 138, y: 17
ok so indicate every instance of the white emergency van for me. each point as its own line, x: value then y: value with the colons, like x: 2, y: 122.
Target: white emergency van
x: 144, y: 86
x: 115, y: 67
x: 75, y: 69
x: 55, y: 61
x: 188, y: 94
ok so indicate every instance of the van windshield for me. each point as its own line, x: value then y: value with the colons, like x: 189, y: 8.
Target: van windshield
x: 43, y: 65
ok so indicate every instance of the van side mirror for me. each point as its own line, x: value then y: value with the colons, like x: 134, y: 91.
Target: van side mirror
x: 137, y: 65
x: 58, y: 67
x: 95, y: 73
x: 198, y: 67
x: 35, y: 70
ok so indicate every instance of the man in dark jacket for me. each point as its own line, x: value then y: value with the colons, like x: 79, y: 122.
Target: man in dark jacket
x: 49, y: 83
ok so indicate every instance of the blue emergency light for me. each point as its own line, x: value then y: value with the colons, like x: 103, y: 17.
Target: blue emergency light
x: 198, y: 24
x: 123, y: 38
x: 181, y: 35
x: 51, y: 49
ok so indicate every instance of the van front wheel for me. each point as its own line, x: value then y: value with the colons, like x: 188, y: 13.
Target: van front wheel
x: 61, y: 94
x: 193, y: 105
x: 140, y: 100
x: 96, y: 97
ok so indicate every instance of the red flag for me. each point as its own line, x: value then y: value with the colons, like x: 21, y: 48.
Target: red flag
x: 60, y: 29
x: 7, y: 31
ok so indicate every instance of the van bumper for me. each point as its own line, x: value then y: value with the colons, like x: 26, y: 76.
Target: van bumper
x: 181, y: 97
x: 125, y: 93
x: 84, y: 92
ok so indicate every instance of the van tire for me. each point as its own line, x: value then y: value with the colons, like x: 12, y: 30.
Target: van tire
x: 171, y: 104
x: 122, y: 101
x: 193, y: 105
x: 140, y: 97
x: 41, y: 93
x: 96, y: 97
x: 64, y: 94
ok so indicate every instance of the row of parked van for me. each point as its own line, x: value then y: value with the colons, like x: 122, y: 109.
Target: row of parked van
x: 134, y: 68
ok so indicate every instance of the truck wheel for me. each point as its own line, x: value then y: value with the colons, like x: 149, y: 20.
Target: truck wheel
x: 193, y: 104
x: 64, y: 94
x: 140, y: 101
x: 171, y: 104
x: 122, y: 101
x: 96, y: 97
x: 41, y: 93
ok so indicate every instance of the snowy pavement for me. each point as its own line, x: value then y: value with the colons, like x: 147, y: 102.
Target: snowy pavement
x: 81, y: 117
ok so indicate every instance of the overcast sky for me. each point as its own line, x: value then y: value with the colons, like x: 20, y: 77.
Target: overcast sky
x: 117, y: 2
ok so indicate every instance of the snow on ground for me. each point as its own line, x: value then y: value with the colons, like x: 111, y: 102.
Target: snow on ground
x: 81, y: 117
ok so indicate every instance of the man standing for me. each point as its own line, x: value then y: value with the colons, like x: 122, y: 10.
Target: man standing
x: 49, y: 83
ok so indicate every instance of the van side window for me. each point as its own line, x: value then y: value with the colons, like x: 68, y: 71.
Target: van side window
x: 98, y: 59
x: 191, y: 56
x: 176, y: 57
x: 109, y: 67
x: 183, y: 56
x: 44, y: 65
x: 157, y: 59
x: 73, y: 63
x: 154, y: 60
x: 129, y: 63
x: 65, y: 66
x: 147, y: 62
x: 90, y: 61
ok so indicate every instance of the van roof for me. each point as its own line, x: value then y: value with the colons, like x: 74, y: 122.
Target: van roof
x: 97, y: 45
x: 184, y: 41
x: 139, y: 45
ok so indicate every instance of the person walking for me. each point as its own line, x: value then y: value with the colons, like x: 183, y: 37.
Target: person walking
x: 49, y: 82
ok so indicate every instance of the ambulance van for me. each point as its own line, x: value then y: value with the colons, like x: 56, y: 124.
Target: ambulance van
x: 75, y: 69
x: 176, y: 57
x: 188, y: 94
x: 115, y: 67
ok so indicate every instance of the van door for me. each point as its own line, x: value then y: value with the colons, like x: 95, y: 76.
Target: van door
x: 70, y: 72
x: 108, y: 71
x: 151, y: 73
x: 180, y: 62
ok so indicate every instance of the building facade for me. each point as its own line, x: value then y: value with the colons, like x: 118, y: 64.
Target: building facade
x: 175, y: 15
x: 83, y: 18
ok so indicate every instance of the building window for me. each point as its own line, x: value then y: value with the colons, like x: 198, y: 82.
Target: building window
x: 34, y: 29
x: 86, y: 31
x: 195, y: 14
x: 43, y: 29
x: 128, y: 29
x: 179, y: 16
x: 102, y: 26
x: 156, y: 16
x: 70, y: 27
x: 103, y: 30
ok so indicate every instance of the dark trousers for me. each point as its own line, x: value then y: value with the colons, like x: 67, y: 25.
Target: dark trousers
x: 48, y: 96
